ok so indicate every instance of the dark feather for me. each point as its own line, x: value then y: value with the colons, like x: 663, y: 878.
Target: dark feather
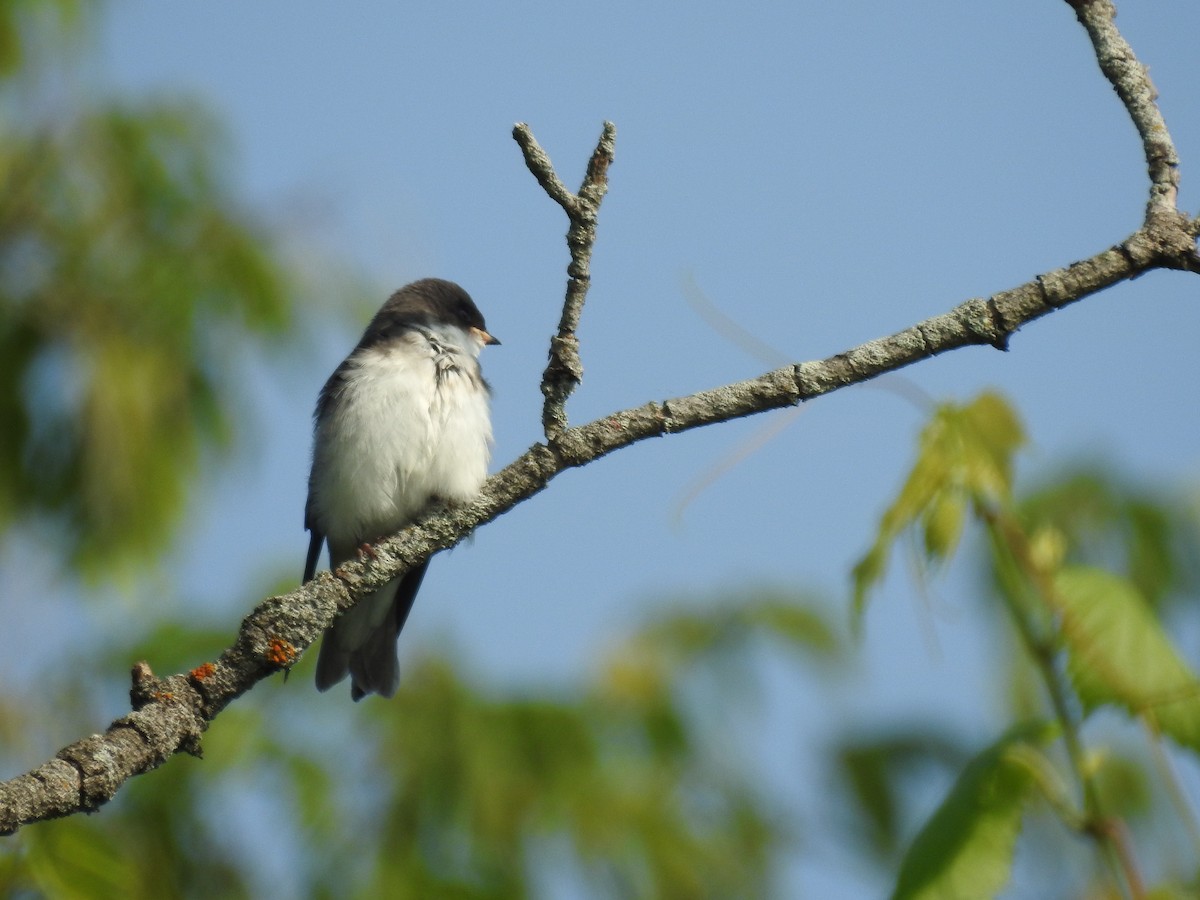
x: 370, y: 660
x: 314, y: 554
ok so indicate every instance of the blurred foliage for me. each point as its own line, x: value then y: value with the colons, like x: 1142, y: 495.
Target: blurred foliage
x: 452, y: 790
x: 1093, y: 642
x: 876, y: 766
x: 1119, y: 654
x: 128, y: 278
x: 19, y: 17
x: 964, y: 848
x: 966, y: 456
x: 1150, y: 537
x: 626, y: 786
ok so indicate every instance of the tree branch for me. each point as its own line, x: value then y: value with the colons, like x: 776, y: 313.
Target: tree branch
x: 565, y: 369
x: 169, y: 715
x: 1131, y: 81
x: 1164, y: 222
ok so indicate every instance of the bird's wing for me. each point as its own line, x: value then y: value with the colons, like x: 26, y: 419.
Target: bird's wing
x: 316, y: 536
x: 314, y: 553
x: 406, y: 593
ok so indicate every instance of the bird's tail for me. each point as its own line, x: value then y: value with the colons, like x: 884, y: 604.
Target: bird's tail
x: 362, y: 642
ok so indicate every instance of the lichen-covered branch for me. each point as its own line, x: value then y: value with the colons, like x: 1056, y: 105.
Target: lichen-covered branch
x: 1131, y: 81
x: 565, y: 368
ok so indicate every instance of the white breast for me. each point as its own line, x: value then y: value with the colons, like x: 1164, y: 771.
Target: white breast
x: 411, y: 424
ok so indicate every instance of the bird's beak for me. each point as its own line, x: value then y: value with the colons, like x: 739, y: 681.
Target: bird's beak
x: 483, y: 337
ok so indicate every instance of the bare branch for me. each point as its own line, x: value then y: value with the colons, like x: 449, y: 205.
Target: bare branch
x: 538, y: 162
x: 565, y: 369
x: 1131, y: 81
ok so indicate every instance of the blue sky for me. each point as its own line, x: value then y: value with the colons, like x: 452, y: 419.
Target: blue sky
x: 827, y: 173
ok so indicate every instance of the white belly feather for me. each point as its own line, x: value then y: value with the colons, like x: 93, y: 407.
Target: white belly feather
x: 398, y: 438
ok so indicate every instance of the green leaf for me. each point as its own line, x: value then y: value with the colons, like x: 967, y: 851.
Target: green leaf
x: 943, y: 523
x: 965, y: 850
x: 990, y: 433
x: 1146, y: 533
x: 131, y: 277
x: 1119, y: 653
x: 875, y: 769
x: 965, y: 456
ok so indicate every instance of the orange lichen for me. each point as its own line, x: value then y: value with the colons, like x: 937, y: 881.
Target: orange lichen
x: 202, y: 671
x: 281, y: 653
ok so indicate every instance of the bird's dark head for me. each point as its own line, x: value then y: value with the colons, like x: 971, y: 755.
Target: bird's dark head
x: 428, y: 302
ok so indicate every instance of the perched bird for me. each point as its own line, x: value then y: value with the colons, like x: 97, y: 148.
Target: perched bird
x: 403, y: 421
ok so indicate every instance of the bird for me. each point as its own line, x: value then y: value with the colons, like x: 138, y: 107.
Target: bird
x: 403, y: 421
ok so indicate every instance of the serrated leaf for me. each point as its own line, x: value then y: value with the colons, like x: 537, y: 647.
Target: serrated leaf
x: 1119, y: 653
x: 965, y: 850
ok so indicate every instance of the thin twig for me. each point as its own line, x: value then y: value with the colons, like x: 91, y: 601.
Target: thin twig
x: 538, y: 162
x: 565, y: 368
x: 1131, y: 81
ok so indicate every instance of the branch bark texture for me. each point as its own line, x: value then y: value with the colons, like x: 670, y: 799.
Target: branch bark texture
x: 565, y: 368
x: 169, y: 715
